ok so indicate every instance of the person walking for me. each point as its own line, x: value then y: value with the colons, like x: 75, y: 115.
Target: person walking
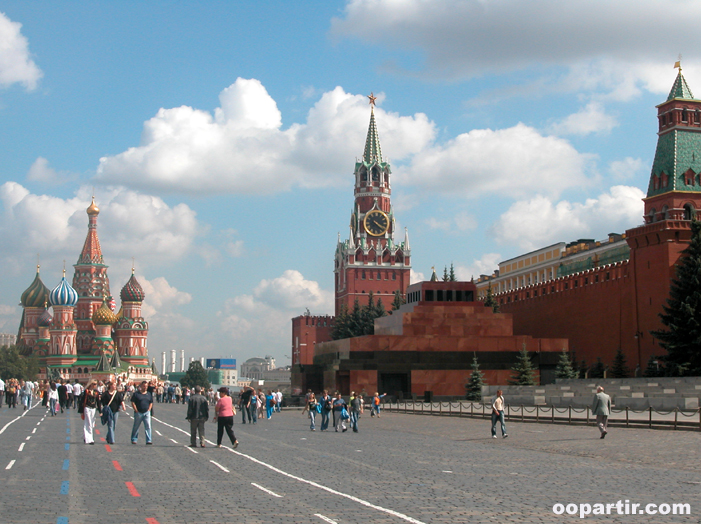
x: 11, y: 393
x: 27, y: 392
x: 498, y: 414
x: 356, y: 408
x: 376, y: 400
x: 312, y: 408
x: 602, y: 409
x: 269, y: 404
x: 278, y: 400
x: 69, y: 394
x: 63, y: 394
x: 338, y: 406
x: 326, y: 407
x: 52, y: 398
x: 224, y: 416
x: 197, y: 414
x: 88, y: 408
x: 2, y: 391
x: 114, y: 400
x: 77, y: 392
x: 245, y: 404
x: 142, y: 402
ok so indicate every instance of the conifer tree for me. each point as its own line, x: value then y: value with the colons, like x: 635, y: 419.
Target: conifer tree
x: 490, y: 300
x: 380, y: 311
x: 583, y: 368
x: 619, y: 369
x: 652, y: 369
x: 597, y: 370
x: 474, y: 385
x: 340, y: 326
x: 564, y: 367
x: 445, y: 274
x: 398, y: 300
x: 523, y: 372
x: 355, y: 320
x: 451, y: 276
x: 682, y: 314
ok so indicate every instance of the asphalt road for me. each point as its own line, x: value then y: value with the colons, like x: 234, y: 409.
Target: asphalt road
x: 397, y: 469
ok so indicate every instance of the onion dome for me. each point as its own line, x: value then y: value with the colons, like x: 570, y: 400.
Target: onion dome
x: 45, y: 318
x: 103, y: 316
x: 132, y: 290
x: 93, y: 209
x: 63, y: 294
x: 36, y: 294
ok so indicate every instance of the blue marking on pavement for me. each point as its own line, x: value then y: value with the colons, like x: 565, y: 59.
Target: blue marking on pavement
x: 68, y: 430
x: 67, y: 446
x: 68, y: 438
x: 65, y: 464
x: 62, y: 520
x: 64, y: 487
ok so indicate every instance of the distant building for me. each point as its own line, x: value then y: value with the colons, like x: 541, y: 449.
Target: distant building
x: 7, y: 339
x: 254, y: 367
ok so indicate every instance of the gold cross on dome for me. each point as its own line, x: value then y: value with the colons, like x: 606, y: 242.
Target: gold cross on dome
x: 372, y: 98
x: 678, y: 63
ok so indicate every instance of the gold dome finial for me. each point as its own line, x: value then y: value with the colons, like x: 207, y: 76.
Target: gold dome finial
x: 93, y: 209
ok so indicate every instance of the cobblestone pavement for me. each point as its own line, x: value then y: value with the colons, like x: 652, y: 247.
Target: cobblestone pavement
x: 398, y: 469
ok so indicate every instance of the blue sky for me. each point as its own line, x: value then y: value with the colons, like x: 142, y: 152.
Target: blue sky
x: 220, y: 138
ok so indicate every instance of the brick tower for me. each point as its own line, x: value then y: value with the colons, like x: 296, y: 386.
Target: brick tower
x: 371, y: 260
x: 673, y: 198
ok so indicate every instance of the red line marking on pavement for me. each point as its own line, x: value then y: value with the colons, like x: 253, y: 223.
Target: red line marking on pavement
x: 108, y: 448
x: 132, y: 489
x: 152, y: 521
x: 116, y: 465
x: 103, y: 439
x: 97, y: 431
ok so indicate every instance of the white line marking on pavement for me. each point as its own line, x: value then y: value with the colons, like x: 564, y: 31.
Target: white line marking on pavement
x: 189, y: 448
x: 34, y: 431
x: 16, y: 419
x: 174, y: 441
x: 266, y: 490
x: 28, y: 437
x: 326, y: 519
x: 21, y: 446
x: 39, y: 422
x: 311, y: 483
x: 158, y: 433
x: 445, y: 471
x: 9, y: 466
x: 220, y: 466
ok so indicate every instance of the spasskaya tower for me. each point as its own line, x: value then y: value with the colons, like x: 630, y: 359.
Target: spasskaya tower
x: 371, y: 260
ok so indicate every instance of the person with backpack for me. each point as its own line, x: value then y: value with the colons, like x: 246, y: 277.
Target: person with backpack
x: 313, y: 407
x: 356, y: 408
x: 326, y: 407
x: 376, y: 404
x: 113, y: 400
x: 338, y: 416
x: 270, y: 404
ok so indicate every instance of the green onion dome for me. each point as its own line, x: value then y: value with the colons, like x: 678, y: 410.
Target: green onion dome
x: 132, y: 291
x: 36, y: 294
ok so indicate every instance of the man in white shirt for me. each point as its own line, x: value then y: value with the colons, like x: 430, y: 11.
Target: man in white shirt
x: 2, y: 391
x: 27, y: 391
x: 278, y: 400
x: 77, y: 391
x: 69, y: 395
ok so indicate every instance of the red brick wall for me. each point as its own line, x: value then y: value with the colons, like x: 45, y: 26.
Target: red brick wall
x: 306, y: 332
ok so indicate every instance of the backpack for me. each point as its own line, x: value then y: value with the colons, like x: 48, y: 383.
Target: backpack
x: 328, y: 405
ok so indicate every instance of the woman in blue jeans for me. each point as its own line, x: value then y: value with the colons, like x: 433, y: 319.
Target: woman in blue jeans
x: 115, y: 400
x: 269, y: 404
x: 498, y: 415
x: 325, y: 400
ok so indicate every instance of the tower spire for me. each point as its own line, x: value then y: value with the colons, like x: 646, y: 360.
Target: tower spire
x: 373, y: 152
x: 680, y: 89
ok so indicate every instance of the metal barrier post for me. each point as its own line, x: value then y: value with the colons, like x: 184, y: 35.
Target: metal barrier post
x: 537, y: 413
x: 587, y: 415
x: 522, y: 412
x: 676, y: 413
x: 569, y: 416
x: 552, y: 412
x: 650, y: 415
x: 627, y: 422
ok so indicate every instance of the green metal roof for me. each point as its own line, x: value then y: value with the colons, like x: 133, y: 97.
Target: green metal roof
x: 373, y: 152
x: 680, y: 89
x: 677, y: 152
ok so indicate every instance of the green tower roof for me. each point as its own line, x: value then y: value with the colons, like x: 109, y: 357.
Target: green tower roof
x: 373, y: 152
x: 680, y: 89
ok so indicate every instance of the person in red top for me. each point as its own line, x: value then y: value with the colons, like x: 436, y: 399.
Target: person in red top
x: 224, y: 413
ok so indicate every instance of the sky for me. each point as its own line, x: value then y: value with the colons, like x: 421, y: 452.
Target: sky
x: 220, y: 138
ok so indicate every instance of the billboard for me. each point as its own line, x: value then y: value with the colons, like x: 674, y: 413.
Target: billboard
x: 221, y: 363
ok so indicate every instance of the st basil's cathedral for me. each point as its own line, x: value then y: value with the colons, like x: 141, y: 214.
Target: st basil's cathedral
x: 73, y: 330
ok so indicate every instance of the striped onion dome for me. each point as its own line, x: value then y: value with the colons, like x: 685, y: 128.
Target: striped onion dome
x: 63, y: 294
x: 103, y: 315
x: 45, y: 318
x: 36, y: 294
x: 132, y: 290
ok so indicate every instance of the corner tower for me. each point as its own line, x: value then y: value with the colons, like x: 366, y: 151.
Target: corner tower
x: 371, y: 260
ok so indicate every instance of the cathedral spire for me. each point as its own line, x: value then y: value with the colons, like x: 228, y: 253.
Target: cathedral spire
x: 373, y: 152
x: 92, y: 252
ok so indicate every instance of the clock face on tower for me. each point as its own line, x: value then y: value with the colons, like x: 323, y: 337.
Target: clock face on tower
x: 376, y: 223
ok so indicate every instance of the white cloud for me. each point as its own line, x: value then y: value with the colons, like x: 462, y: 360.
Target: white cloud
x: 9, y: 318
x: 16, y: 65
x: 591, y: 119
x: 614, y: 46
x: 130, y: 224
x: 41, y: 171
x: 626, y: 169
x: 482, y: 266
x: 461, y: 222
x: 534, y: 223
x: 161, y: 295
x: 243, y: 148
x: 510, y: 162
x: 416, y: 276
x: 292, y: 291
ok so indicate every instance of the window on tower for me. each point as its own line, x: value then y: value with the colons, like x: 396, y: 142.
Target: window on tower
x: 362, y: 275
x: 379, y: 277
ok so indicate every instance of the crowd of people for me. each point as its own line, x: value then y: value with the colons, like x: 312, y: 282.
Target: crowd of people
x: 328, y: 406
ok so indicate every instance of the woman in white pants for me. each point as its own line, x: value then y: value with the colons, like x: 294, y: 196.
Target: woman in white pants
x: 89, y: 406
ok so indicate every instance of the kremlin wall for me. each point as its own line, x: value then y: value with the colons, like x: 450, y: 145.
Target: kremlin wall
x: 589, y: 297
